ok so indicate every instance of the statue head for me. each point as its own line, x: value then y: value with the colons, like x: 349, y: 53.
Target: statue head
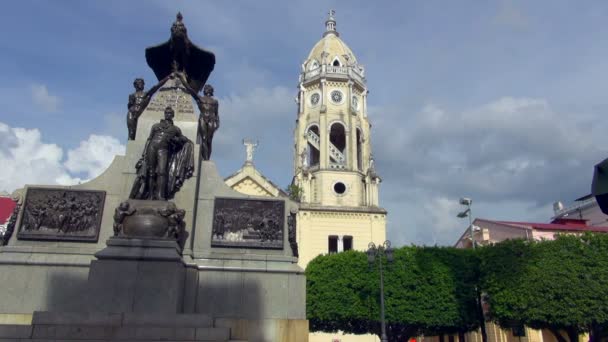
x: 178, y: 29
x: 208, y: 90
x: 139, y: 84
x: 169, y: 113
x: 124, y: 206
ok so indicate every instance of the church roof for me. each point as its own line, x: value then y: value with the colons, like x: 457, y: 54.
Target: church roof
x: 251, y: 181
x: 557, y: 225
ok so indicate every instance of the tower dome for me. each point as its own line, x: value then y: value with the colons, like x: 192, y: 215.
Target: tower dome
x: 330, y: 50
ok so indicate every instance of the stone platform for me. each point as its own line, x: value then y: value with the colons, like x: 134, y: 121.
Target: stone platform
x: 50, y: 326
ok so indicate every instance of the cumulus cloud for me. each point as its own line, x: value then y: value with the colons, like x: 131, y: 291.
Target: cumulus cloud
x: 515, y: 150
x: 44, y: 100
x: 27, y: 159
x: 93, y: 155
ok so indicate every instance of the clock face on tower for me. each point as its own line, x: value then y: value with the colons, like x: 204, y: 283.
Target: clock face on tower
x: 336, y: 96
x: 314, y: 99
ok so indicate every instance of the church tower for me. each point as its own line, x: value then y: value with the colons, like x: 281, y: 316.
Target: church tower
x: 333, y: 163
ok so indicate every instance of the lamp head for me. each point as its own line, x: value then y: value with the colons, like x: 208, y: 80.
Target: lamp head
x: 466, y: 201
x: 371, y: 255
x: 463, y: 214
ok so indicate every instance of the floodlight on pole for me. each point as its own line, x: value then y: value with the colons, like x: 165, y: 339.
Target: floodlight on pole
x: 463, y: 214
x: 467, y: 201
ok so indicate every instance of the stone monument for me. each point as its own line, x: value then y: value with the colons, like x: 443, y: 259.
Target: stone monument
x: 157, y: 247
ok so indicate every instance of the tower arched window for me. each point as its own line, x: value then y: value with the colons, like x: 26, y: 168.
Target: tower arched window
x: 313, y: 65
x: 313, y: 145
x: 337, y: 139
x: 359, y: 149
x: 336, y: 62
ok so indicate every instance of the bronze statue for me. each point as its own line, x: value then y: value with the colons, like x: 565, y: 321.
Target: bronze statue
x: 138, y: 101
x: 123, y: 210
x: 208, y: 120
x: 179, y: 54
x: 166, y: 162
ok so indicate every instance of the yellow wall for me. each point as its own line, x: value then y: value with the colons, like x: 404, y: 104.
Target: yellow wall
x: 314, y: 228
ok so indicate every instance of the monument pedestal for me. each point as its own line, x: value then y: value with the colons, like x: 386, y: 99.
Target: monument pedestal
x: 136, y: 275
x: 135, y: 292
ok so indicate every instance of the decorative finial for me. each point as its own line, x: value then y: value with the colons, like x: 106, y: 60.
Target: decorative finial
x: 249, y: 149
x: 330, y: 24
x: 179, y: 16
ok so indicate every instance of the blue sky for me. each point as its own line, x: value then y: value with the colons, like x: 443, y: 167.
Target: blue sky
x: 502, y: 101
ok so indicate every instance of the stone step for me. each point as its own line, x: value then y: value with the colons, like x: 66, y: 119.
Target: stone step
x: 110, y: 333
x: 122, y: 319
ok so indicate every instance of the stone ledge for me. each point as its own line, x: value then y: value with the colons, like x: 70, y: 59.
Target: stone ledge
x: 15, y: 331
x: 121, y: 319
x: 106, y: 333
x: 140, y: 249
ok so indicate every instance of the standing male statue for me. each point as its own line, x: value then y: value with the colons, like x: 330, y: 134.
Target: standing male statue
x: 208, y: 120
x: 138, y: 101
x: 167, y: 161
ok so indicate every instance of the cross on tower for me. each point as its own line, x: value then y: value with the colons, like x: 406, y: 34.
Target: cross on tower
x: 250, y: 147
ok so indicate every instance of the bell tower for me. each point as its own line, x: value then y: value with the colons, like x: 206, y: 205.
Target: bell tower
x: 333, y: 164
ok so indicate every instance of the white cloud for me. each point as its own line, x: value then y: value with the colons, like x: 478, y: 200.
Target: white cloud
x: 44, y: 100
x: 512, y: 148
x: 27, y: 159
x: 513, y: 156
x: 93, y: 155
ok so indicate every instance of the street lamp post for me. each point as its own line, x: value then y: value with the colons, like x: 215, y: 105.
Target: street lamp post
x: 467, y: 212
x: 467, y: 201
x: 373, y: 252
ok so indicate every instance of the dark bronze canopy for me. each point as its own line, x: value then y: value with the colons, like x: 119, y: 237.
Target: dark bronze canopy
x: 180, y: 54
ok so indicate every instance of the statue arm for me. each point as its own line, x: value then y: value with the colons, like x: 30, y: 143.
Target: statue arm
x: 181, y: 138
x: 188, y: 88
x: 217, y: 115
x: 153, y: 90
x: 131, y: 101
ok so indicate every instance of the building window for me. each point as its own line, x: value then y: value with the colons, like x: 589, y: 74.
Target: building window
x: 332, y: 244
x: 347, y: 243
x: 313, y: 145
x: 340, y: 188
x: 359, y: 150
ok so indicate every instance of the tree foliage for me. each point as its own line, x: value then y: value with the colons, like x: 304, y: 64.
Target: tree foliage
x: 294, y: 192
x: 427, y: 290
x: 560, y: 285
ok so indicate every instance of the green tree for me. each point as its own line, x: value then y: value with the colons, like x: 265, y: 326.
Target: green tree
x: 428, y: 290
x: 294, y: 191
x: 560, y: 285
